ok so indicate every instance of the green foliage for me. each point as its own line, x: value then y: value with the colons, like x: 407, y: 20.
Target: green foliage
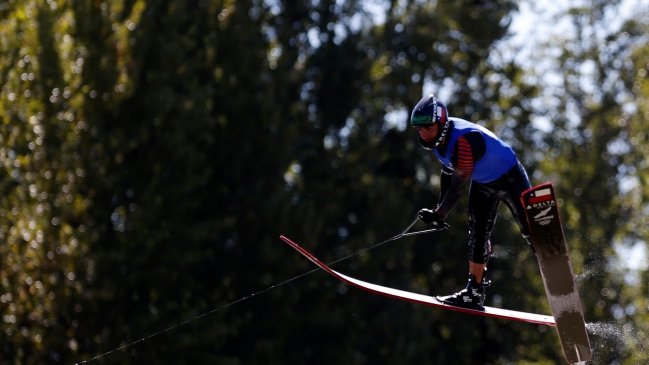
x: 595, y: 156
x: 153, y: 151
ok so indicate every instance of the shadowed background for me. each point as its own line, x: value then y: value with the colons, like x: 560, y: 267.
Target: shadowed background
x: 153, y: 151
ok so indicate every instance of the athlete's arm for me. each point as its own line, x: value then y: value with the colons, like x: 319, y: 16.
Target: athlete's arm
x: 468, y: 150
x: 444, y: 182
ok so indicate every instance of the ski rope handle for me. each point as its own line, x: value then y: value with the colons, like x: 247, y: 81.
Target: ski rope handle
x: 406, y: 233
x: 402, y: 234
x: 446, y: 225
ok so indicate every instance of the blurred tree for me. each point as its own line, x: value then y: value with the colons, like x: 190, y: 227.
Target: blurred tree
x: 631, y: 310
x: 152, y: 152
x: 44, y: 194
x: 593, y: 153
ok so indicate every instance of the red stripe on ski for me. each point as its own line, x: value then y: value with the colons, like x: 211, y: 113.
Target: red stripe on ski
x: 424, y: 299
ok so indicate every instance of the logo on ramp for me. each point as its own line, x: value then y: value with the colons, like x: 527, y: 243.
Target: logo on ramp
x: 543, y: 213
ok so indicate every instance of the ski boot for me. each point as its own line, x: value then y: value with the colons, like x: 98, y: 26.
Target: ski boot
x: 472, y: 296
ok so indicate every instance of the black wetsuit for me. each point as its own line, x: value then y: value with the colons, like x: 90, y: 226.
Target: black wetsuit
x: 490, y: 181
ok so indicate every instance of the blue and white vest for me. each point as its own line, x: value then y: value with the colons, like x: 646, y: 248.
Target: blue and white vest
x: 498, y: 159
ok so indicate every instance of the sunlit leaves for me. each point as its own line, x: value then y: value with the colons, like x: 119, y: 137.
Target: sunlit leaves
x: 44, y: 193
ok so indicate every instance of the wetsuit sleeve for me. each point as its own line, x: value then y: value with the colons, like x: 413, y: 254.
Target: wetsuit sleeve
x: 468, y: 150
x: 444, y: 182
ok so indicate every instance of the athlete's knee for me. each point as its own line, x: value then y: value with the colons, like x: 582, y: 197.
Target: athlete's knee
x: 479, y: 250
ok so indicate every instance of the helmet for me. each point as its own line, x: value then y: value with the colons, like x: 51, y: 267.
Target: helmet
x: 429, y: 111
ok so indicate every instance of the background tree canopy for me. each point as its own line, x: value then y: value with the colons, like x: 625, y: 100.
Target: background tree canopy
x: 153, y: 151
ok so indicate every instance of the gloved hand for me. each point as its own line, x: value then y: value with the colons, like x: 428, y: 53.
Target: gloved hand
x: 432, y: 217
